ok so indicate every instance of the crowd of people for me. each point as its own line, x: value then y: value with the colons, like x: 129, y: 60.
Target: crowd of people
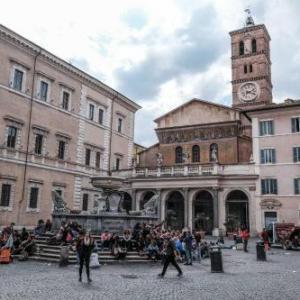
x: 13, y: 242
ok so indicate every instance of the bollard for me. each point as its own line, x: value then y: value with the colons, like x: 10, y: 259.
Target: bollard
x: 64, y: 256
x: 216, y: 261
x: 260, y: 251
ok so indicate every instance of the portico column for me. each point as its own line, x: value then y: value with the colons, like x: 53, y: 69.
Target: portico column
x: 215, y: 207
x: 162, y: 206
x: 186, y: 207
x: 133, y: 196
x: 159, y: 206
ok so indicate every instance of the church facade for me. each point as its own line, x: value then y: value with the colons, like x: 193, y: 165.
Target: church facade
x: 205, y: 167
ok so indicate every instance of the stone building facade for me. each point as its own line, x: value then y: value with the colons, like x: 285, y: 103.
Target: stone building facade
x: 58, y: 127
x: 276, y: 153
x: 206, y: 165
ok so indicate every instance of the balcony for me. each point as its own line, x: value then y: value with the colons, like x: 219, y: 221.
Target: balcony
x: 189, y: 171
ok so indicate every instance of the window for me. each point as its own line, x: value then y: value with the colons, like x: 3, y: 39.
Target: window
x: 269, y: 186
x: 297, y: 186
x: 120, y: 121
x: 38, y: 144
x: 296, y: 154
x: 33, y: 199
x: 267, y: 156
x: 5, y: 195
x: 118, y: 161
x: 100, y: 116
x: 253, y: 46
x: 87, y: 157
x: 266, y: 128
x: 91, y: 112
x: 98, y: 157
x: 61, y: 149
x: 65, y: 100
x: 43, y: 90
x: 296, y: 124
x: 178, y: 155
x: 245, y: 69
x: 11, y: 137
x: 251, y: 68
x: 85, y: 202
x: 195, y: 153
x: 242, y: 48
x: 18, y: 79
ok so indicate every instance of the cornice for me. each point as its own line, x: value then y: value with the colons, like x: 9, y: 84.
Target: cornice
x: 33, y: 49
x: 249, y: 29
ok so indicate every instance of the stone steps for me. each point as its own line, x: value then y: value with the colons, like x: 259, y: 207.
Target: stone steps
x: 51, y: 254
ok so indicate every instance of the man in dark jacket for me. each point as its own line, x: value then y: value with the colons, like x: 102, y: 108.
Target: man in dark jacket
x: 170, y: 257
x: 188, y: 240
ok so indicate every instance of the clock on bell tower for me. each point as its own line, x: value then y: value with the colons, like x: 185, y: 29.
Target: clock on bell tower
x: 251, y: 65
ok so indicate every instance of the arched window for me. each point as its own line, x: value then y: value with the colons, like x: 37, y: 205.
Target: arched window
x: 254, y: 46
x: 178, y: 155
x: 251, y: 69
x: 195, y: 153
x: 242, y: 48
x: 245, y: 69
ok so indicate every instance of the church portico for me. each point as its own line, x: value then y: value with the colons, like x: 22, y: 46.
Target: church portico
x: 203, y: 202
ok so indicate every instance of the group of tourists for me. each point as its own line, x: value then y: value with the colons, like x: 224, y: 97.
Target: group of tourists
x: 13, y: 242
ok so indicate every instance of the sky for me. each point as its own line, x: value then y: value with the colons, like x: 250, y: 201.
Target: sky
x: 160, y: 53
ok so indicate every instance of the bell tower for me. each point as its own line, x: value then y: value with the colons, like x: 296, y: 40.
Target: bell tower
x: 251, y: 65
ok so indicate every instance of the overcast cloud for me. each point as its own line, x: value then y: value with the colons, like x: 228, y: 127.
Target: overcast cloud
x: 160, y: 53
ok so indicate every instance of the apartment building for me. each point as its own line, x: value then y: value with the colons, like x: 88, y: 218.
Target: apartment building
x: 58, y: 127
x: 276, y: 153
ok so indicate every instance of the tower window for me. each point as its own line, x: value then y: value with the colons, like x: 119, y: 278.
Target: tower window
x: 254, y: 46
x: 245, y: 69
x: 242, y: 48
x: 251, y: 69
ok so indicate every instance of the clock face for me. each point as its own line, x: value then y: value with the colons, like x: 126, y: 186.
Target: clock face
x: 248, y: 91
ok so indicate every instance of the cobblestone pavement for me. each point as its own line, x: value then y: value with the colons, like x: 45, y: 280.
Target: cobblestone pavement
x: 244, y: 278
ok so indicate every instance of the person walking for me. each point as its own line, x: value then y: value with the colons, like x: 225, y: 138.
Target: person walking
x: 188, y: 240
x: 245, y: 237
x: 265, y: 238
x: 170, y: 257
x: 84, y: 247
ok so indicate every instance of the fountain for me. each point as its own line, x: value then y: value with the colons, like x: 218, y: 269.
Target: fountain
x: 108, y: 212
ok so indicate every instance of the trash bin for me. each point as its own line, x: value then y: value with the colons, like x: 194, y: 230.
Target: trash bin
x: 216, y: 261
x: 64, y: 256
x: 260, y: 251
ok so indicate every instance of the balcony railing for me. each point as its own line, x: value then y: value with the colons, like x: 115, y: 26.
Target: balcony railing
x: 189, y: 170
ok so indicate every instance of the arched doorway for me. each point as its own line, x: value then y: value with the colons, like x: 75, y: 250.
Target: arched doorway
x: 204, y: 212
x: 237, y: 211
x: 175, y: 211
x: 127, y: 202
x: 147, y: 196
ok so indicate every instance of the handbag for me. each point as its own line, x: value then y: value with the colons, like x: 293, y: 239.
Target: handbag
x: 5, y: 256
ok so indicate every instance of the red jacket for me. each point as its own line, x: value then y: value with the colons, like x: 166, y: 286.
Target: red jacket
x: 245, y: 235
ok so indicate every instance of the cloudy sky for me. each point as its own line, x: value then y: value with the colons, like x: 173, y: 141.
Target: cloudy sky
x: 160, y: 53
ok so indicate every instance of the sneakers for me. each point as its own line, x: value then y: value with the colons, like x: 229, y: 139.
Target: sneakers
x: 160, y: 275
x: 179, y: 274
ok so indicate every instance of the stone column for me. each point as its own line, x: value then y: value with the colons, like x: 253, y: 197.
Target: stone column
x: 159, y: 208
x: 133, y: 196
x: 186, y: 207
x: 162, y: 207
x: 215, y: 206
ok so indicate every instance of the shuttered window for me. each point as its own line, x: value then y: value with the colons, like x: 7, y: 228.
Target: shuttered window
x: 5, y: 195
x: 269, y: 186
x: 266, y: 128
x: 267, y: 156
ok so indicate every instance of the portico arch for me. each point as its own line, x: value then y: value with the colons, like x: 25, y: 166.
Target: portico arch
x: 203, y: 211
x: 237, y: 210
x: 127, y: 202
x: 174, y: 213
